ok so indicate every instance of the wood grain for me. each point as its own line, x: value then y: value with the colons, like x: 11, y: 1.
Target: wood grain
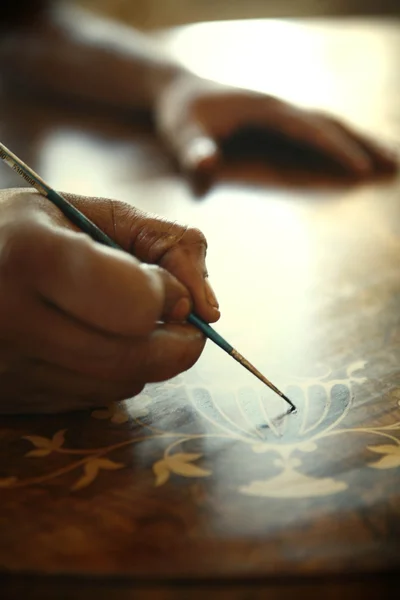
x: 197, y: 480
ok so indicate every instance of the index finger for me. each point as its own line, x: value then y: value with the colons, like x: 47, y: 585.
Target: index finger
x: 186, y: 260
x: 178, y: 249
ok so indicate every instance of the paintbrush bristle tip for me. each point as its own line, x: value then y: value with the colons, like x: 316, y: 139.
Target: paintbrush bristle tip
x: 292, y: 406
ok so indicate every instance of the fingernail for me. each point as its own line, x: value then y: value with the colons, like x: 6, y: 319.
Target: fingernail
x: 201, y: 151
x: 210, y: 294
x: 181, y: 309
x: 364, y: 166
x: 362, y: 163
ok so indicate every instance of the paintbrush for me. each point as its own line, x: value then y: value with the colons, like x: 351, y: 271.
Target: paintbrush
x: 79, y: 219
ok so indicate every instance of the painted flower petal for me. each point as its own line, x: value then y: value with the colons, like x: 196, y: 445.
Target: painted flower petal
x: 390, y: 461
x: 58, y: 439
x: 38, y: 441
x: 39, y: 452
x: 386, y: 449
x: 162, y: 472
x: 181, y: 464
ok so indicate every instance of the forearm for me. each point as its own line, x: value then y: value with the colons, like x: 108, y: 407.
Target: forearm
x: 73, y: 53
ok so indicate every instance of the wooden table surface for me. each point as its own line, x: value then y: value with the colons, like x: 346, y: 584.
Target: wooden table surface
x: 185, y: 491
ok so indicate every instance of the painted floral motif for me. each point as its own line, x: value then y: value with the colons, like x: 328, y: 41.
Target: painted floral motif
x: 91, y: 470
x: 293, y: 484
x: 236, y: 416
x: 390, y: 458
x: 45, y: 446
x: 180, y: 464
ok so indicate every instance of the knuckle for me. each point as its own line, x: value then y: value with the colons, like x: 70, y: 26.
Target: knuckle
x: 190, y: 249
x: 154, y: 238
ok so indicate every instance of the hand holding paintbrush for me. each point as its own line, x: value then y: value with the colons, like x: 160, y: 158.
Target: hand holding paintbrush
x: 94, y: 326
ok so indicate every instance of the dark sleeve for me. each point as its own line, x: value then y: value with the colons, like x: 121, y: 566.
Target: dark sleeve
x: 19, y: 12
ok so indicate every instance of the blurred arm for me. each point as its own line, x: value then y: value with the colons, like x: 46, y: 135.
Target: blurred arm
x: 61, y: 48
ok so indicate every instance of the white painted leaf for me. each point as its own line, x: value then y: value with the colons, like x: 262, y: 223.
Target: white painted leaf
x: 39, y: 452
x: 390, y: 461
x: 162, y: 473
x: 385, y: 449
x: 183, y: 457
x: 91, y: 470
x: 58, y: 439
x: 186, y: 469
x: 38, y: 441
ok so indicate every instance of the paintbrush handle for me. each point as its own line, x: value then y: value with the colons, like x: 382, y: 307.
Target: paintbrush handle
x: 73, y: 214
x: 81, y: 221
x: 210, y: 332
